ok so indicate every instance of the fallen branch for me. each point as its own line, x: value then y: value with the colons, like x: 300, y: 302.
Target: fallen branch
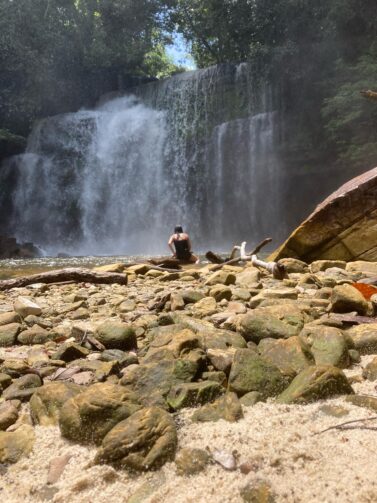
x: 214, y: 258
x: 277, y: 270
x: 78, y: 275
x: 341, y: 425
x: 166, y: 263
x: 243, y: 256
x: 350, y: 319
x: 95, y: 343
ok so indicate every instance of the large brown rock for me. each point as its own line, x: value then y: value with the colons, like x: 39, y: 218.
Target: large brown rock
x: 89, y: 416
x: 342, y: 227
x: 144, y: 441
x: 316, y: 383
x: 116, y: 335
x: 15, y: 444
x: 46, y: 402
x: 250, y: 372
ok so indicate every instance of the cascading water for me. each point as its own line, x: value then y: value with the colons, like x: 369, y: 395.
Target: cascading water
x: 199, y: 149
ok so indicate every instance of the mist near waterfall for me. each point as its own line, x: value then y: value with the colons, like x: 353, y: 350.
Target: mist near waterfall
x: 117, y: 179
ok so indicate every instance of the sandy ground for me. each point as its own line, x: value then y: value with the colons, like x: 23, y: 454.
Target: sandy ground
x: 279, y: 441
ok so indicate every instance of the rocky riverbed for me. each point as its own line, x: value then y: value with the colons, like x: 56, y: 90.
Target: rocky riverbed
x: 192, y: 386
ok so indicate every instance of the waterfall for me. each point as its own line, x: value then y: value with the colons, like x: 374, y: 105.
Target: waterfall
x: 199, y: 150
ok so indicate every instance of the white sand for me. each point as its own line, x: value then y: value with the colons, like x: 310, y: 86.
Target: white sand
x: 336, y: 466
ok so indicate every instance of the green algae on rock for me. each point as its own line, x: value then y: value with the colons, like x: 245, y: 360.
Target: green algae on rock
x: 316, y: 383
x: 145, y: 441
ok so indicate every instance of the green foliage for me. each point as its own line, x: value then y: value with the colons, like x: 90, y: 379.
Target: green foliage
x: 320, y: 51
x: 58, y: 55
x: 351, y: 120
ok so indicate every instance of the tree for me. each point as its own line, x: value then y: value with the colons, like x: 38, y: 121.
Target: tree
x: 58, y: 55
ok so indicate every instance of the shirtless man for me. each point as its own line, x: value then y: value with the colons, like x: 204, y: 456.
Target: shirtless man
x: 180, y: 245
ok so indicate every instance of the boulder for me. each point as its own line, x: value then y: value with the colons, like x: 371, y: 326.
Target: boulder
x: 328, y: 345
x: 118, y: 267
x: 316, y: 383
x: 153, y: 381
x: 179, y: 345
x: 342, y: 227
x: 221, y: 339
x: 33, y: 335
x: 37, y: 356
x: 101, y: 370
x: 25, y: 306
x: 139, y: 269
x: 248, y: 277
x: 258, y: 324
x: 5, y: 381
x: 193, y: 394
x: 8, y: 414
x: 221, y: 277
x: 8, y: 334
x: 251, y: 398
x: 10, y: 317
x: 227, y: 407
x: 323, y: 265
x: 46, y: 402
x: 204, y: 307
x: 293, y: 265
x: 116, y: 335
x: 23, y: 388
x: 15, y: 444
x: 127, y: 306
x: 176, y: 302
x: 9, y: 248
x: 221, y: 359
x: 14, y: 367
x: 220, y: 292
x: 370, y: 371
x: 143, y: 442
x: 287, y: 355
x: 124, y: 359
x: 88, y: 416
x: 70, y: 351
x: 191, y: 296
x: 345, y: 298
x: 365, y: 267
x: 369, y: 402
x: 364, y: 338
x: 250, y: 372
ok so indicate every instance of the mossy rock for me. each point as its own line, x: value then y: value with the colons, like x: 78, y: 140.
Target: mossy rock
x: 316, y: 383
x: 193, y: 394
x: 250, y: 372
x: 89, y: 416
x: 46, y: 402
x: 153, y: 381
x: 227, y: 407
x: 143, y: 442
x: 16, y: 444
x: 116, y: 335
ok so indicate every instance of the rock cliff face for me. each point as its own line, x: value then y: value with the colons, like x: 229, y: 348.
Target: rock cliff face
x: 342, y: 227
x: 10, y: 248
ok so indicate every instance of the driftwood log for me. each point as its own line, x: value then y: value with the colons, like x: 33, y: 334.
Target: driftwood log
x: 166, y: 263
x: 243, y: 256
x: 77, y: 275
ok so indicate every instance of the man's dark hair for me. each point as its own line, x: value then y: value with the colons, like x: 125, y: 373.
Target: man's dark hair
x: 178, y: 229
